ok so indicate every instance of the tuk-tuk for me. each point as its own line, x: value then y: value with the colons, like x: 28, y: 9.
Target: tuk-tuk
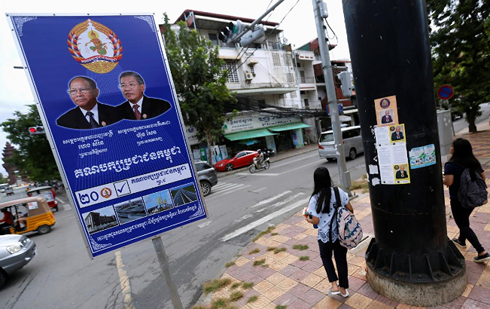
x: 48, y: 193
x: 28, y: 215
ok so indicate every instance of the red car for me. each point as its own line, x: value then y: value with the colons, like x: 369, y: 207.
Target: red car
x: 243, y: 158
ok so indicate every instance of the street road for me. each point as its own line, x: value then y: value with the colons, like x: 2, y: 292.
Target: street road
x: 240, y: 206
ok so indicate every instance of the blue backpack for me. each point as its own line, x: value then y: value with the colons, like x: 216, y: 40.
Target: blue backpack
x: 472, y: 190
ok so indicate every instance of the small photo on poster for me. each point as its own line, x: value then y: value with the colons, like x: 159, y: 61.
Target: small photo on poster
x: 130, y: 210
x: 397, y: 133
x: 386, y: 111
x: 158, y: 202
x: 402, y: 174
x: 183, y: 194
x: 100, y: 219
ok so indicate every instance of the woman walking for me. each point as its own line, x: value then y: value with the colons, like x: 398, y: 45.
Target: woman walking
x: 321, y: 209
x: 461, y: 159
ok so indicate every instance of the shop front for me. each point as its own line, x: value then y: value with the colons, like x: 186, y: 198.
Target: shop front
x: 259, y: 131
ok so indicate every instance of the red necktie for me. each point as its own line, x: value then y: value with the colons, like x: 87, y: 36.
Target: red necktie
x: 137, y: 112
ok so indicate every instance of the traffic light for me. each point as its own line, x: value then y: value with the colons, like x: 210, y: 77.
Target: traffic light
x: 229, y: 33
x: 346, y: 83
x: 37, y: 130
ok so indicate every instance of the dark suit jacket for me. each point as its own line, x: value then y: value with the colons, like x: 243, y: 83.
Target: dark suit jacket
x: 400, y: 175
x: 151, y: 108
x: 74, y: 118
x: 394, y: 138
x: 386, y: 119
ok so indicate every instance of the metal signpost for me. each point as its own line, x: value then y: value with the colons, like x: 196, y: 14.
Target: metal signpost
x: 125, y: 162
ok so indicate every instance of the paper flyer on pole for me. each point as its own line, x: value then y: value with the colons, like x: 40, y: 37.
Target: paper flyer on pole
x: 109, y: 107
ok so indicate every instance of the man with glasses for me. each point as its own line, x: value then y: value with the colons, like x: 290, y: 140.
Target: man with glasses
x: 89, y: 114
x: 138, y: 106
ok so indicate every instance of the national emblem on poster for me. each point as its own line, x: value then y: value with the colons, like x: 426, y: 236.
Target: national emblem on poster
x: 95, y: 46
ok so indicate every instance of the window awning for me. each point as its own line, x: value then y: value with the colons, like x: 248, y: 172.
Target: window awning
x: 248, y: 134
x: 289, y: 126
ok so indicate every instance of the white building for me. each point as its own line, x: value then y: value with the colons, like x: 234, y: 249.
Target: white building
x: 263, y: 76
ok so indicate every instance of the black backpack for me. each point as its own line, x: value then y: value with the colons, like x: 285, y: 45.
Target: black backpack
x: 472, y: 191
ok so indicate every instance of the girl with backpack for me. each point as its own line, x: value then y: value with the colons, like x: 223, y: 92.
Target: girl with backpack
x: 321, y: 210
x: 461, y: 159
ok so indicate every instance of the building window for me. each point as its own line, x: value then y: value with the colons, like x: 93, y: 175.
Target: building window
x: 261, y: 104
x: 302, y: 76
x: 252, y: 69
x: 213, y: 37
x: 276, y: 59
x: 231, y: 66
x: 307, y: 104
x: 287, y: 60
x: 290, y: 78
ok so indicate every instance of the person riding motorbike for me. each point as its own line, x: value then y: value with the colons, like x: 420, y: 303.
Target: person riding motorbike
x: 260, y: 158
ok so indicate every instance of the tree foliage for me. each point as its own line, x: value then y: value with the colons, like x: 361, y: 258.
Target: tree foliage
x: 199, y: 79
x: 460, y: 41
x: 33, y: 156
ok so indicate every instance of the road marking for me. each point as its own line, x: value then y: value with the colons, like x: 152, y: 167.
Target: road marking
x: 263, y: 220
x: 228, y: 188
x: 259, y: 174
x: 257, y: 191
x: 67, y: 206
x: 124, y: 281
x: 204, y: 224
x: 288, y: 171
x: 291, y: 161
x: 244, y: 218
x: 60, y: 200
x: 289, y: 199
x: 270, y: 199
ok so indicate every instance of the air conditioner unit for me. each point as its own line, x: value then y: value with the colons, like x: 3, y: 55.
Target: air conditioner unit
x: 249, y: 76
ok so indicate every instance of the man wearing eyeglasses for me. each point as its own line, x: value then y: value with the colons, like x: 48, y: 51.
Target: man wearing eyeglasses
x: 89, y: 114
x: 138, y: 106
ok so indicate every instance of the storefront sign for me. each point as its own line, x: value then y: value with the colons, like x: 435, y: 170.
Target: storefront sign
x: 249, y: 122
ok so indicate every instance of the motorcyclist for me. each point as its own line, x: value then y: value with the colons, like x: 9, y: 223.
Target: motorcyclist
x: 260, y: 158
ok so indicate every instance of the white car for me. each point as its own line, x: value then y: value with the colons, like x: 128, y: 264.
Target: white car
x: 352, y: 143
x: 15, y: 252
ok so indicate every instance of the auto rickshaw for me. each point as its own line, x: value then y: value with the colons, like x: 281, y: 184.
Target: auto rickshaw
x: 29, y: 215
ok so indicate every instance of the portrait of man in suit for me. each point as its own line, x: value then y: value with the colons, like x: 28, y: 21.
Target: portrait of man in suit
x: 401, y: 174
x: 89, y: 114
x: 387, y: 117
x: 397, y: 135
x: 138, y: 106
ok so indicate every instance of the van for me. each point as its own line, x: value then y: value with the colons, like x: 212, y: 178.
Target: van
x: 352, y: 143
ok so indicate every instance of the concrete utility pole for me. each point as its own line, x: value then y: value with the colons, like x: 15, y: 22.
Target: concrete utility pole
x: 344, y: 174
x: 410, y: 260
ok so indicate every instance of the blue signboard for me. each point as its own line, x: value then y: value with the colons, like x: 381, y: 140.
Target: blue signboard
x: 107, y: 101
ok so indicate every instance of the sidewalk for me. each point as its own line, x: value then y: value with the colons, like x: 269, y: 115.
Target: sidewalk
x: 296, y: 279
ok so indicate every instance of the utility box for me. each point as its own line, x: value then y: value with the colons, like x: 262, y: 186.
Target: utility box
x: 445, y: 127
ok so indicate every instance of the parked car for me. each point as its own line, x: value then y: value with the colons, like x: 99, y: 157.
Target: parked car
x: 352, y: 143
x: 3, y: 186
x: 16, y: 251
x: 243, y: 158
x: 207, y: 177
x: 47, y: 192
x: 9, y: 190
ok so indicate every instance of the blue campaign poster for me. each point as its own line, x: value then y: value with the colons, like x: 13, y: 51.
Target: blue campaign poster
x: 109, y: 108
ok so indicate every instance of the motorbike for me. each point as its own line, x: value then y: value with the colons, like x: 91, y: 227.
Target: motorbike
x: 263, y: 166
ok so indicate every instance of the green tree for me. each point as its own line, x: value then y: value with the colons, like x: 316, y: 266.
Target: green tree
x: 33, y: 156
x: 460, y: 41
x: 200, y: 81
x: 3, y: 179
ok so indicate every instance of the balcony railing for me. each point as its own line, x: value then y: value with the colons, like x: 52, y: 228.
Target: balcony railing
x: 307, y: 80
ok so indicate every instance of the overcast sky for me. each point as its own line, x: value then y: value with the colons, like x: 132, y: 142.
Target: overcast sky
x: 299, y: 28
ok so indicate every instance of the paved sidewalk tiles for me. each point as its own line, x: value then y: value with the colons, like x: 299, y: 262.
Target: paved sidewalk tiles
x: 296, y: 278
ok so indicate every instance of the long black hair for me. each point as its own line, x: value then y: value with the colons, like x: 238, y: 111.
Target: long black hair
x: 323, y: 183
x: 463, y: 156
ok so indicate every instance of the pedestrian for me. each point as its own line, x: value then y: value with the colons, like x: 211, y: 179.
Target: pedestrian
x: 321, y: 210
x: 461, y: 159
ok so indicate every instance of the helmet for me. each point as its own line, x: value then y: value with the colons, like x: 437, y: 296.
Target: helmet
x: 259, y: 151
